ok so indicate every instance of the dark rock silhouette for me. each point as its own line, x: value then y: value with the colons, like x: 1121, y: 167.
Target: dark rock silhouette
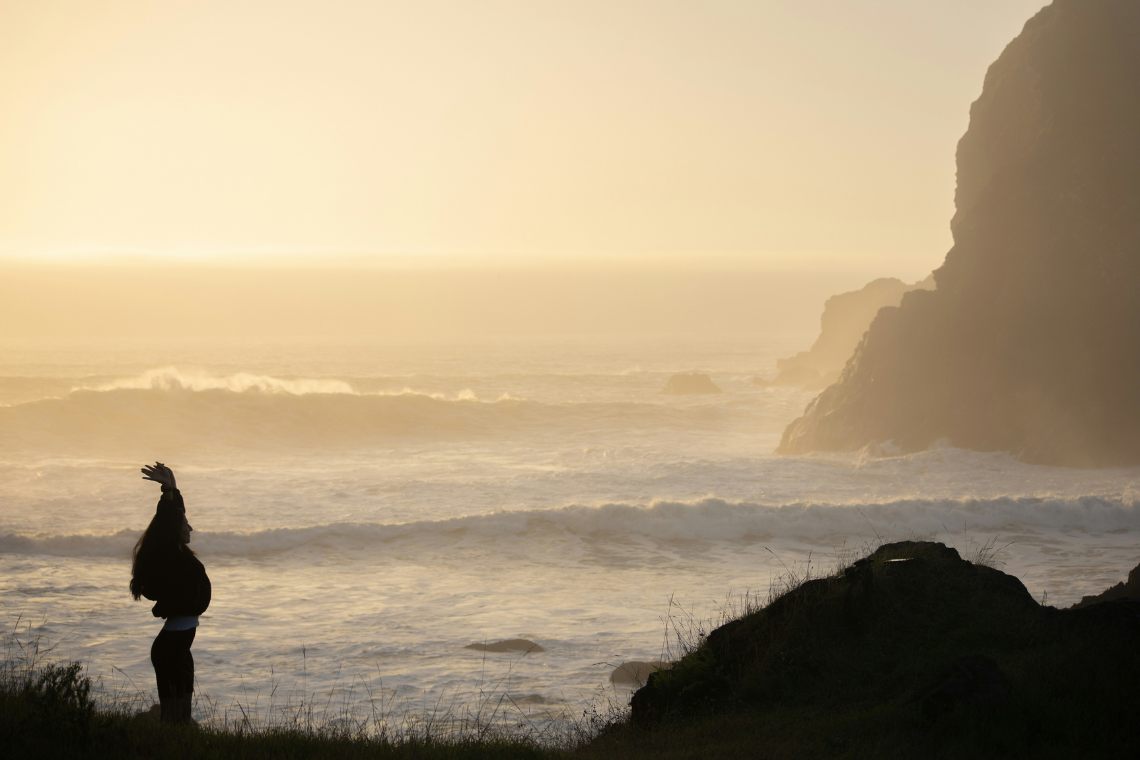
x: 845, y: 319
x: 1030, y: 342
x: 973, y: 680
x: 920, y: 645
x: 684, y: 383
x: 1129, y: 589
x: 526, y: 646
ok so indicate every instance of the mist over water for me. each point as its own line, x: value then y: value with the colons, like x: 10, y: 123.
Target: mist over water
x: 365, y: 513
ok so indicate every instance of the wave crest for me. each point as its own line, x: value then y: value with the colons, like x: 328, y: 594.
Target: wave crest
x: 174, y: 379
x: 672, y: 523
x: 177, y: 412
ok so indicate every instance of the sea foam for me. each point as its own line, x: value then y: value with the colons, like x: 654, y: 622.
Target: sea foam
x: 175, y: 379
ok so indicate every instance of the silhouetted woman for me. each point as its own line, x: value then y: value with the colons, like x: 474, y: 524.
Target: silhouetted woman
x: 167, y: 572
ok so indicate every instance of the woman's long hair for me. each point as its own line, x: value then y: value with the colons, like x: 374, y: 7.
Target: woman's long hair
x: 157, y: 549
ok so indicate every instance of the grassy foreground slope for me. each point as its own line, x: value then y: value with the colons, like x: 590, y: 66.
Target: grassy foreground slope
x: 910, y: 652
x: 50, y: 721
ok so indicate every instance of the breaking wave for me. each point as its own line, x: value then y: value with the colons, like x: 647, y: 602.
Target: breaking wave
x: 181, y: 411
x: 679, y: 524
x: 174, y: 379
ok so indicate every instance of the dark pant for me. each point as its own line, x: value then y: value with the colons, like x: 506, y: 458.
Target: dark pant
x: 174, y: 672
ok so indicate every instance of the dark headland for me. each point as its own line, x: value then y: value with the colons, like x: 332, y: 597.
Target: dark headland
x: 1030, y: 342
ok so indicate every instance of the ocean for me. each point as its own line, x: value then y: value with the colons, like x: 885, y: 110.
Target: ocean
x: 367, y: 512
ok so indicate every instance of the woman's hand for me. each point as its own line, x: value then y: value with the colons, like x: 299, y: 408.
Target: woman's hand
x: 159, y: 473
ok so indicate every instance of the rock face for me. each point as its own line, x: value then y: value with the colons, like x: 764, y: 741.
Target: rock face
x: 1031, y: 341
x: 919, y: 645
x: 686, y: 383
x: 845, y: 319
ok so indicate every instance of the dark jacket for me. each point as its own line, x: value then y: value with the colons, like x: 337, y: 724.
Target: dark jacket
x: 179, y: 585
x: 182, y: 589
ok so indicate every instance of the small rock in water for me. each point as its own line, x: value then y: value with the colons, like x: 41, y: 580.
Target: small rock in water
x: 636, y: 672
x: 506, y: 645
x: 690, y: 383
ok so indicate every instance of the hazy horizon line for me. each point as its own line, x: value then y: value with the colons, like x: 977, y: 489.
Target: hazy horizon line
x: 807, y: 264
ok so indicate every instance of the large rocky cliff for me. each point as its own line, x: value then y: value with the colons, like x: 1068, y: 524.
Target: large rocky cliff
x: 1031, y: 341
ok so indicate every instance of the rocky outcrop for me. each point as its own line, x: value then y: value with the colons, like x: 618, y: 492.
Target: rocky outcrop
x: 1031, y: 341
x: 845, y: 319
x: 917, y: 645
x: 690, y: 383
x: 1129, y: 589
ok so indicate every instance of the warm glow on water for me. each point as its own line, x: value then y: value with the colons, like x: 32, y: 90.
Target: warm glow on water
x: 379, y: 510
x: 174, y: 308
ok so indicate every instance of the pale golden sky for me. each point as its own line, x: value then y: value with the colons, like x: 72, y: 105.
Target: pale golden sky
x: 772, y: 132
